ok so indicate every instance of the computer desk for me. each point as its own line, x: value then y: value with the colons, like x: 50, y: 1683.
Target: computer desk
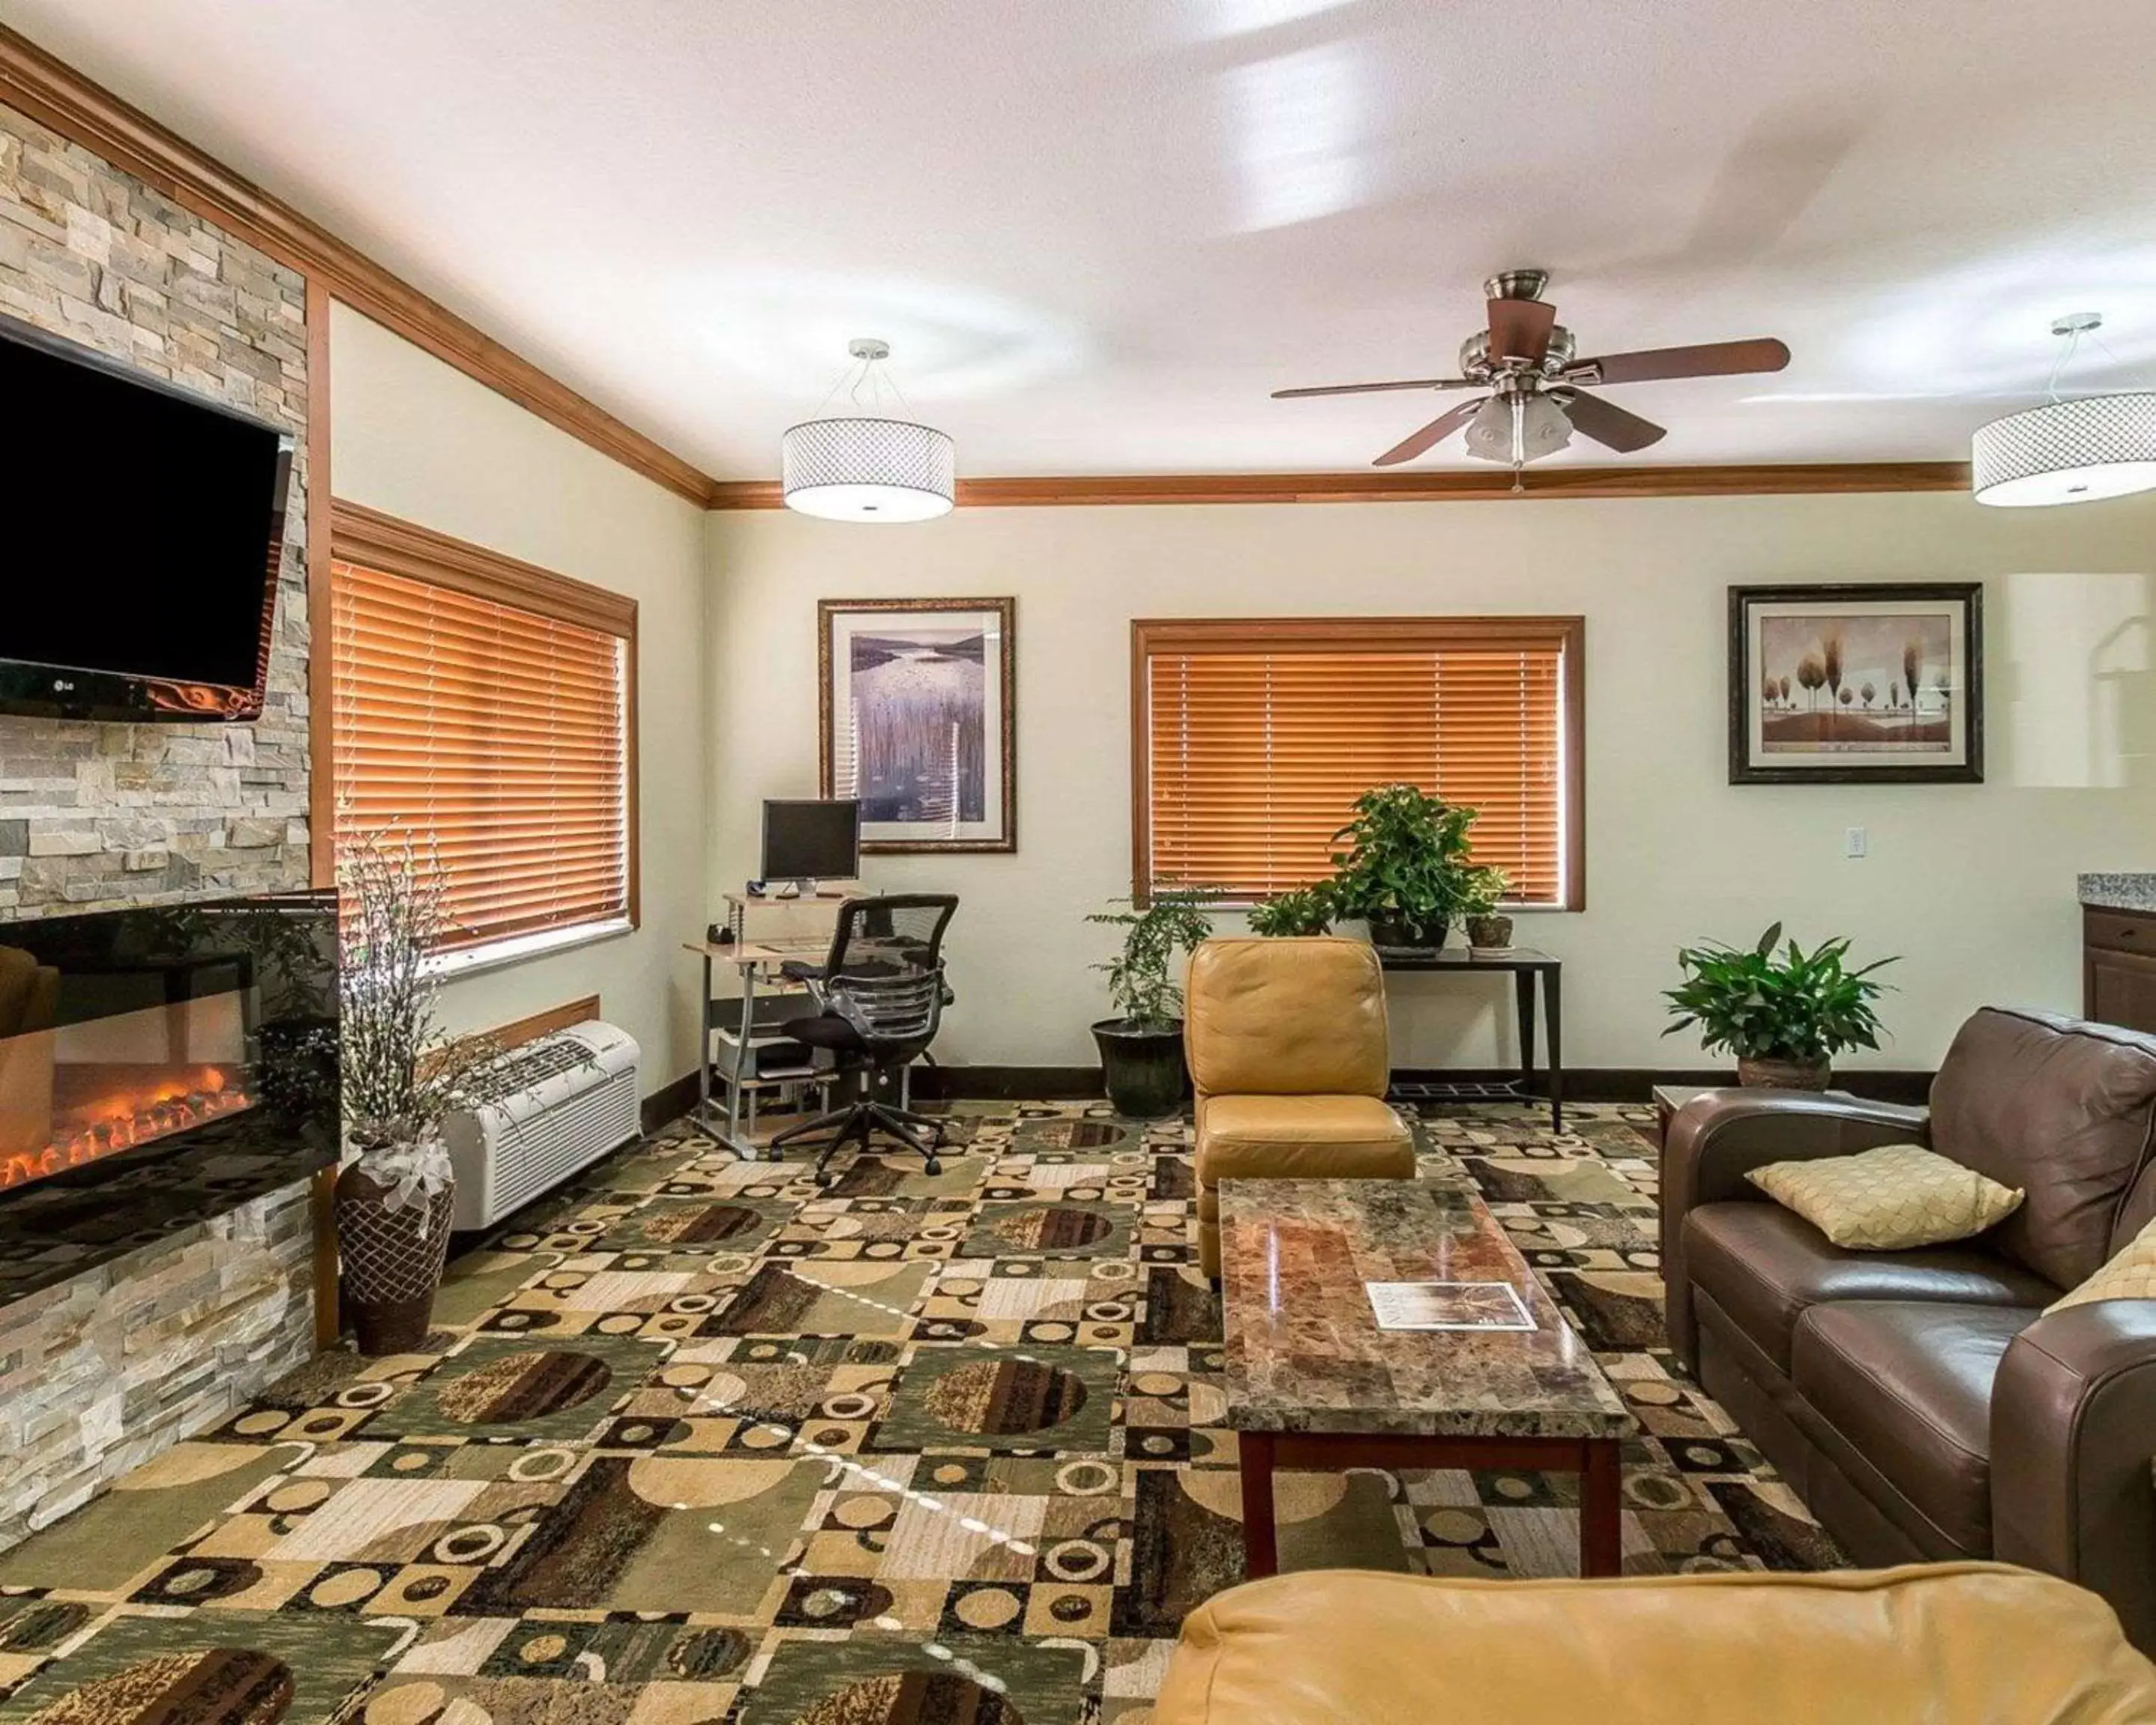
x: 756, y: 961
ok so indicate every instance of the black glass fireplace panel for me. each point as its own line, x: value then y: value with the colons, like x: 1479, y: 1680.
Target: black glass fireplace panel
x: 158, y: 1066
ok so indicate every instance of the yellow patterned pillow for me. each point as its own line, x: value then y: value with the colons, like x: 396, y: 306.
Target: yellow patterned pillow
x: 1889, y: 1200
x: 2130, y: 1275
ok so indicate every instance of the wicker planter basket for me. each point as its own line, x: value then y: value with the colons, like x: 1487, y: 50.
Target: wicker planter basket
x: 392, y: 1260
x: 1784, y: 1074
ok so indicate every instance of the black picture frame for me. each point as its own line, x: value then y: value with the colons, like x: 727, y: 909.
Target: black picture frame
x: 1956, y: 705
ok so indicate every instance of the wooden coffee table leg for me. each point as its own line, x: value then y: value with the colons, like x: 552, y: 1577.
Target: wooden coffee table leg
x: 1601, y: 1508
x: 1261, y: 1542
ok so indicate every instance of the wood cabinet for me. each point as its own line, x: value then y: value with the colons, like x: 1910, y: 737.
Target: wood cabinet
x: 2118, y: 967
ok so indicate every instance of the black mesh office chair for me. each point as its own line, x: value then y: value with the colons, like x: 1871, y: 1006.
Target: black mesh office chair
x: 882, y: 994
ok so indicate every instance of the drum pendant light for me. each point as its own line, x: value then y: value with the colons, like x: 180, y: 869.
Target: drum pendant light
x: 867, y: 466
x: 2067, y: 451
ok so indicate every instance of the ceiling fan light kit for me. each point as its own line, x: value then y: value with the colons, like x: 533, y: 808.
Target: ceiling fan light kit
x: 2076, y: 451
x: 864, y: 467
x: 1528, y: 364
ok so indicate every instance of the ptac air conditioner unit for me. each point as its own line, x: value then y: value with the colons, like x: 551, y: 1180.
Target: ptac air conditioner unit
x: 552, y: 1107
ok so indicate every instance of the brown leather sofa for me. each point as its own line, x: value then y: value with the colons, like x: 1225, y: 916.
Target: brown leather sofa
x: 1919, y: 1402
x: 1288, y: 1057
x: 1961, y: 1644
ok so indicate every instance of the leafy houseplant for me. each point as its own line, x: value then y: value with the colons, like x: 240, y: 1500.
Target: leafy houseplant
x: 1142, y: 1048
x: 1487, y: 932
x: 1405, y: 868
x: 401, y: 1078
x: 1301, y: 910
x: 1783, y: 1017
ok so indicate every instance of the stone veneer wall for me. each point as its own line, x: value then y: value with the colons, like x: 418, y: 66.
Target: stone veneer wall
x: 100, y: 1373
x: 93, y: 813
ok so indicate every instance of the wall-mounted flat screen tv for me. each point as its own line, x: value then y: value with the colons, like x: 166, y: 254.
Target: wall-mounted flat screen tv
x: 142, y: 525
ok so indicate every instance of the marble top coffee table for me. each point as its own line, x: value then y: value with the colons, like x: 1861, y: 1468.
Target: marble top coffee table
x: 1313, y: 1382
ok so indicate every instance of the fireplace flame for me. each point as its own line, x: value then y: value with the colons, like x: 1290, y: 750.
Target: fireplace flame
x: 139, y: 1113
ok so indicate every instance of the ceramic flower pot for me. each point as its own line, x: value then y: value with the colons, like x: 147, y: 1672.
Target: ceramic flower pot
x: 1784, y: 1074
x: 1143, y: 1067
x: 1490, y: 934
x: 393, y: 1241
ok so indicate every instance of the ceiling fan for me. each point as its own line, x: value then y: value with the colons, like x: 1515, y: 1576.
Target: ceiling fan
x: 1526, y: 362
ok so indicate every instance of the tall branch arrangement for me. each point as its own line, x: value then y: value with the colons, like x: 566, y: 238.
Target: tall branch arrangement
x: 401, y: 1075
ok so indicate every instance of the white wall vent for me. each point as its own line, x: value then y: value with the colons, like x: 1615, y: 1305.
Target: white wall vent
x: 555, y: 1106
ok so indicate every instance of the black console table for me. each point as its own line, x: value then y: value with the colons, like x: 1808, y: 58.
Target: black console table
x: 1526, y: 964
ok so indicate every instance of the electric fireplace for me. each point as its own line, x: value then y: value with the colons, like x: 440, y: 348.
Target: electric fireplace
x: 157, y: 1066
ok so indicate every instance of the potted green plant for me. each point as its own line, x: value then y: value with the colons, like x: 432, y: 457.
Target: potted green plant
x: 1480, y: 893
x: 1300, y: 910
x: 1405, y: 867
x: 401, y: 1078
x: 1141, y: 1047
x: 1784, y: 1017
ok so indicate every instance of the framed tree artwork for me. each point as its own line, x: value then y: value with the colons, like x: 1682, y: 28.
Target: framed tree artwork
x: 1860, y: 684
x: 918, y: 701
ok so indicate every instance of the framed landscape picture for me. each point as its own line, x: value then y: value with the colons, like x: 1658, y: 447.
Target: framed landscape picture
x: 918, y: 700
x: 1860, y: 683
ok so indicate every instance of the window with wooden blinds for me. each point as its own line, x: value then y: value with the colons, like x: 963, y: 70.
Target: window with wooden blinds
x: 1253, y: 739
x: 485, y: 708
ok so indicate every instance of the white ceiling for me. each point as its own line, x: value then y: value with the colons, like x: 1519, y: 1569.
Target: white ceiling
x: 1098, y: 232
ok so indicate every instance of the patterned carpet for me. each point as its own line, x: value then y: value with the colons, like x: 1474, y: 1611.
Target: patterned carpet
x: 697, y: 1443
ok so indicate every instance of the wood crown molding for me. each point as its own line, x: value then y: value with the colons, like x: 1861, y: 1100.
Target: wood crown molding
x: 375, y: 540
x: 1752, y: 480
x: 57, y: 96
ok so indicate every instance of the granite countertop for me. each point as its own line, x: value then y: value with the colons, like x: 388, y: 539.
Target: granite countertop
x: 2119, y: 892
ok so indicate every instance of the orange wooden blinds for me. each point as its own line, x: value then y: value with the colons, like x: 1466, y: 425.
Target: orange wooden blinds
x: 497, y: 737
x: 1258, y: 736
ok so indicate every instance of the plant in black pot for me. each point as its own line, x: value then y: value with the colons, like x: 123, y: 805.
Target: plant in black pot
x: 1405, y: 869
x: 1142, y: 1048
x: 1784, y: 1017
x: 1300, y: 910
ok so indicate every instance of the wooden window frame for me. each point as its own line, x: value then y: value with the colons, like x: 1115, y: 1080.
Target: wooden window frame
x: 1395, y: 634
x: 382, y: 542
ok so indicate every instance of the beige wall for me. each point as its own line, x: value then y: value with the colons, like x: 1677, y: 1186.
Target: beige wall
x: 1973, y: 885
x: 418, y: 440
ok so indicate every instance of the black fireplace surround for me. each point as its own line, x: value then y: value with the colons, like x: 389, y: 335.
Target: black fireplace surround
x: 159, y: 1067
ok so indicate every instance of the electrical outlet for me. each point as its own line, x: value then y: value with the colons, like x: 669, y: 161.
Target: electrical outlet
x: 1856, y: 842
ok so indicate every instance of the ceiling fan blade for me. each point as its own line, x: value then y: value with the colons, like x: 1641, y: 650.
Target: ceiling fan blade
x: 1440, y: 429
x: 1520, y: 329
x: 1374, y: 388
x: 1715, y: 359
x: 1607, y: 423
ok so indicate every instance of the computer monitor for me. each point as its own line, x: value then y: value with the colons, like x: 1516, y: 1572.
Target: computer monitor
x: 805, y: 840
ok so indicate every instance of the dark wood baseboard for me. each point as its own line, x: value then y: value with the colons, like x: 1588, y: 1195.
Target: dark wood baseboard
x: 1588, y: 1084
x: 1007, y: 1084
x: 668, y: 1104
x: 1636, y: 1084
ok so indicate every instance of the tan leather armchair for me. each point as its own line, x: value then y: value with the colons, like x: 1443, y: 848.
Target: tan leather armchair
x: 1288, y: 1057
x: 1923, y: 1403
x: 1950, y: 1644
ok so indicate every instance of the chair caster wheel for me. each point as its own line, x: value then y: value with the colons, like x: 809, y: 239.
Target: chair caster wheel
x: 932, y: 1167
x: 774, y: 1154
x: 825, y: 1180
